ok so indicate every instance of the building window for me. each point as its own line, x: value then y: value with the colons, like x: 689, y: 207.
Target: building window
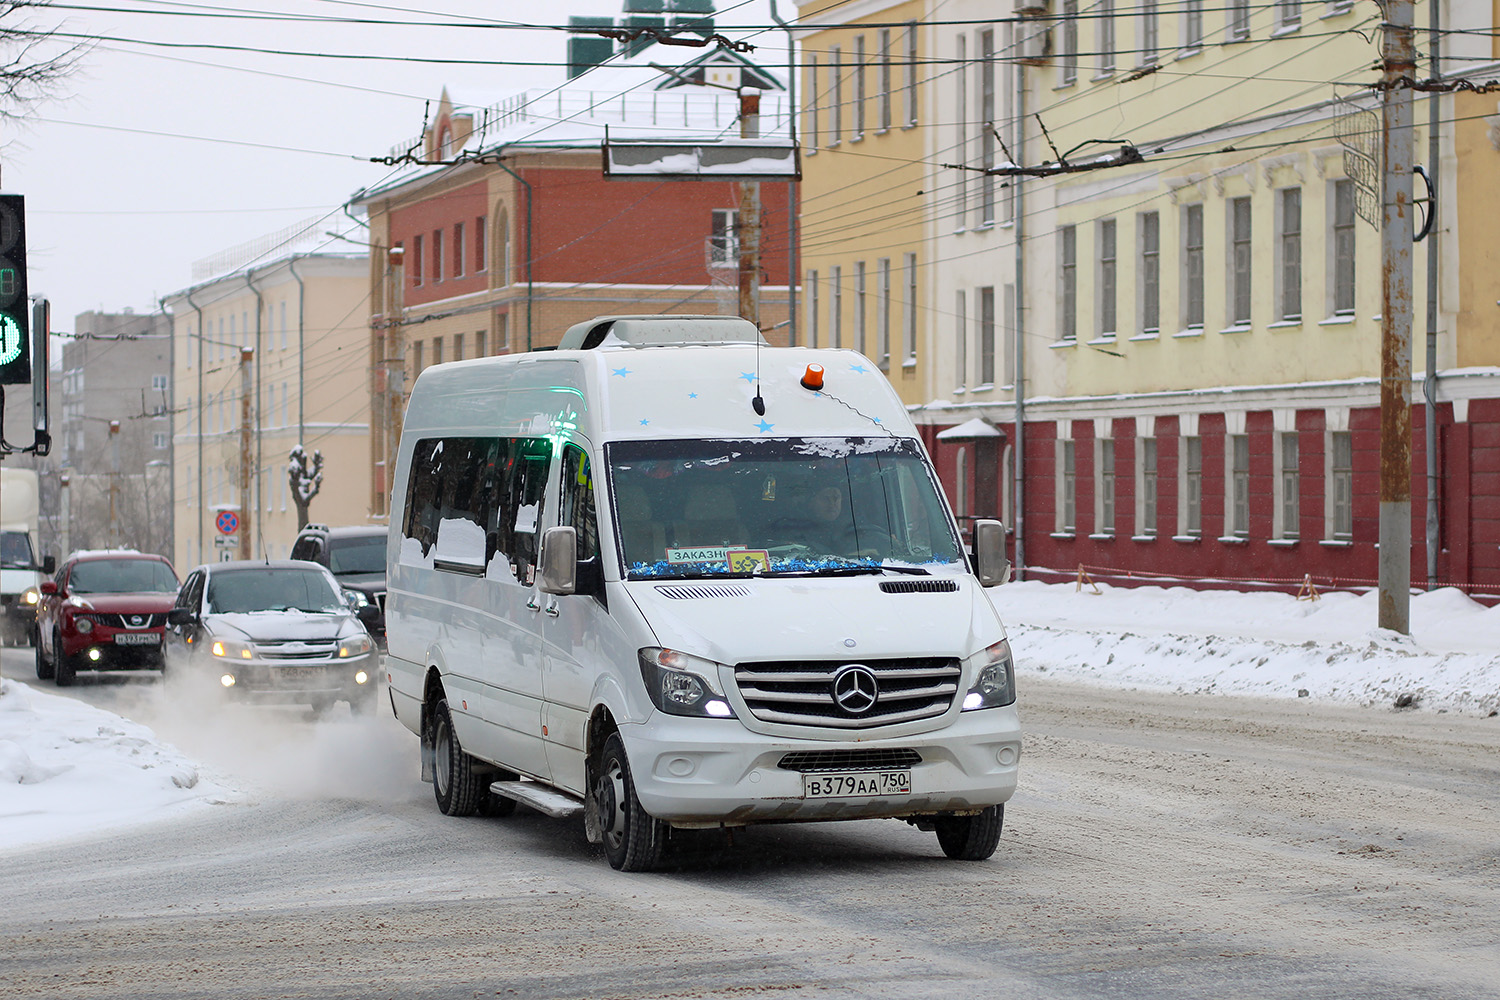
x: 883, y: 311
x: 1008, y: 336
x: 437, y: 256
x: 481, y: 258
x: 1290, y: 250
x: 960, y: 339
x: 1239, y: 485
x: 1146, y: 518
x: 911, y: 73
x: 1288, y: 14
x: 724, y: 238
x: 961, y: 483
x: 860, y: 343
x: 1192, y: 486
x: 479, y: 342
x: 885, y: 76
x: 1150, y: 33
x: 1341, y: 491
x: 987, y: 126
x: 415, y: 270
x: 811, y: 126
x: 1291, y: 486
x: 1150, y: 272
x: 1105, y: 524
x: 437, y: 350
x: 859, y: 87
x: 1343, y: 248
x: 1192, y: 25
x: 458, y: 249
x: 1238, y: 21
x: 1106, y: 29
x: 160, y: 440
x: 159, y: 383
x: 502, y: 247
x: 812, y: 308
x: 1068, y: 65
x: 416, y: 357
x: 1068, y: 274
x: 836, y: 96
x: 835, y: 307
x: 1192, y: 265
x: 1239, y: 257
x: 987, y: 336
x: 1107, y: 271
x: 909, y: 313
x: 1067, y: 493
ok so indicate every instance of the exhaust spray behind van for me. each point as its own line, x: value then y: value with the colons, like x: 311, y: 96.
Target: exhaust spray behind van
x: 675, y: 579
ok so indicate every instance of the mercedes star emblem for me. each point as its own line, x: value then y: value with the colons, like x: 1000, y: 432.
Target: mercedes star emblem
x: 855, y: 688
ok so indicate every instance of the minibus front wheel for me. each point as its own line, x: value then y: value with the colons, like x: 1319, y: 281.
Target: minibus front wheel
x: 970, y: 838
x: 634, y: 840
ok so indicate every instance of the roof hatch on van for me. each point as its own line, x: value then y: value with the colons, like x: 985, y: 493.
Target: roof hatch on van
x: 658, y: 331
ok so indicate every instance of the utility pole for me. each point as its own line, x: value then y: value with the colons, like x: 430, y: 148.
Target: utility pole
x: 749, y: 221
x: 247, y: 358
x: 1396, y: 232
x: 114, y: 484
x: 395, y: 373
x: 65, y: 508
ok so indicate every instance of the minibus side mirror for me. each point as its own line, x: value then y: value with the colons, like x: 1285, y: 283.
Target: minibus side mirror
x: 990, y: 564
x: 559, y: 560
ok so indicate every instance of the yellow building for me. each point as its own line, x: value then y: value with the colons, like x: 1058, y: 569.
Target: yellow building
x: 864, y: 94
x: 294, y: 331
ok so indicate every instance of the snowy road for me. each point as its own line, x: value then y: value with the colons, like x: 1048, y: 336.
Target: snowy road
x: 1161, y: 846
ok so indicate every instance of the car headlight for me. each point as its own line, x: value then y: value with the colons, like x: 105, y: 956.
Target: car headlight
x: 355, y: 598
x: 355, y: 645
x: 682, y: 684
x: 83, y: 624
x: 994, y: 674
x: 31, y: 596
x: 231, y: 649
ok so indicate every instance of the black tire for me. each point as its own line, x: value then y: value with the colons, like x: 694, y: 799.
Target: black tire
x: 65, y: 667
x: 634, y: 840
x: 43, y: 665
x: 455, y: 783
x: 971, y: 838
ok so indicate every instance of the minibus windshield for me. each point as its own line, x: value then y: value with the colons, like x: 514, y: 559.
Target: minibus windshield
x: 786, y: 506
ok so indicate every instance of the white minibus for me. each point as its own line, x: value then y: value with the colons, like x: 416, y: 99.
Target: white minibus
x: 676, y: 579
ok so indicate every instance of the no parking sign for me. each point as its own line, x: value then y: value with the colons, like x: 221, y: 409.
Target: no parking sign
x: 228, y: 522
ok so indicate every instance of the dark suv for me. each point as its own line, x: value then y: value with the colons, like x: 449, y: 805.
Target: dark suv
x: 356, y: 557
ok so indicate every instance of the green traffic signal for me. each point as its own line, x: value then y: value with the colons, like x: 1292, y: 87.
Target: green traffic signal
x: 15, y: 310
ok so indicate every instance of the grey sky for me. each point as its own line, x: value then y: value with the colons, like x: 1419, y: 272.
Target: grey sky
x: 116, y: 217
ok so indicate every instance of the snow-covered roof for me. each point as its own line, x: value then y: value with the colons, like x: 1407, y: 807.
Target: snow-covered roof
x: 975, y: 427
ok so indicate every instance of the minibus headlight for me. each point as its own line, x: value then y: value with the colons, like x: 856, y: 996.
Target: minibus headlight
x: 682, y: 684
x: 994, y: 676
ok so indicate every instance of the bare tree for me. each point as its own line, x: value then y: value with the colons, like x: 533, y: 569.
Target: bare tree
x: 306, y: 479
x: 33, y: 60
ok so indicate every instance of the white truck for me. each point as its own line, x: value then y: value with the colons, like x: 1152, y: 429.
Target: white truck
x: 20, y: 572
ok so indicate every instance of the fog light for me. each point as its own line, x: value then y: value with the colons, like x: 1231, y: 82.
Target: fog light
x: 94, y: 654
x: 361, y: 677
x: 227, y: 680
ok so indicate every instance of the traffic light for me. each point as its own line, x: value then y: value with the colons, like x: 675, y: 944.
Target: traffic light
x: 15, y: 318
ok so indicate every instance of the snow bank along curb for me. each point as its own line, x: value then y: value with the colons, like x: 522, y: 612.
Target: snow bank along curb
x: 1186, y: 641
x: 68, y: 769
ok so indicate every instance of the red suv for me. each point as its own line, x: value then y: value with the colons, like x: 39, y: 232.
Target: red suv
x: 104, y: 611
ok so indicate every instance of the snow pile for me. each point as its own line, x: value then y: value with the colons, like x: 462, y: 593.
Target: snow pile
x: 1261, y: 644
x: 67, y: 768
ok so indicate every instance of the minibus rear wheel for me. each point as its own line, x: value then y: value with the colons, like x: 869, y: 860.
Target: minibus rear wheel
x: 971, y: 838
x: 454, y: 781
x: 634, y: 840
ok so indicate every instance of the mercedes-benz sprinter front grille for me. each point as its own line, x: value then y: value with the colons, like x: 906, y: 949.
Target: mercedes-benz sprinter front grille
x: 848, y: 694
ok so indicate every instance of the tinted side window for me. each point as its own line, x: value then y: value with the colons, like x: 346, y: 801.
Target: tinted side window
x: 578, y: 500
x: 473, y: 498
x: 307, y: 548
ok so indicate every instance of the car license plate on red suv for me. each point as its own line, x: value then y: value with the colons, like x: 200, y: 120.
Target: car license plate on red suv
x: 137, y: 639
x: 856, y: 784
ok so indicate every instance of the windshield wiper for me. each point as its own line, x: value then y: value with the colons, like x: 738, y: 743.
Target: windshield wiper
x: 861, y: 570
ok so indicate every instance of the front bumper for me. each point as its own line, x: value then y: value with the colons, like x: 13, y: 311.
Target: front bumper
x: 700, y: 771
x: 300, y: 683
x: 100, y: 650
